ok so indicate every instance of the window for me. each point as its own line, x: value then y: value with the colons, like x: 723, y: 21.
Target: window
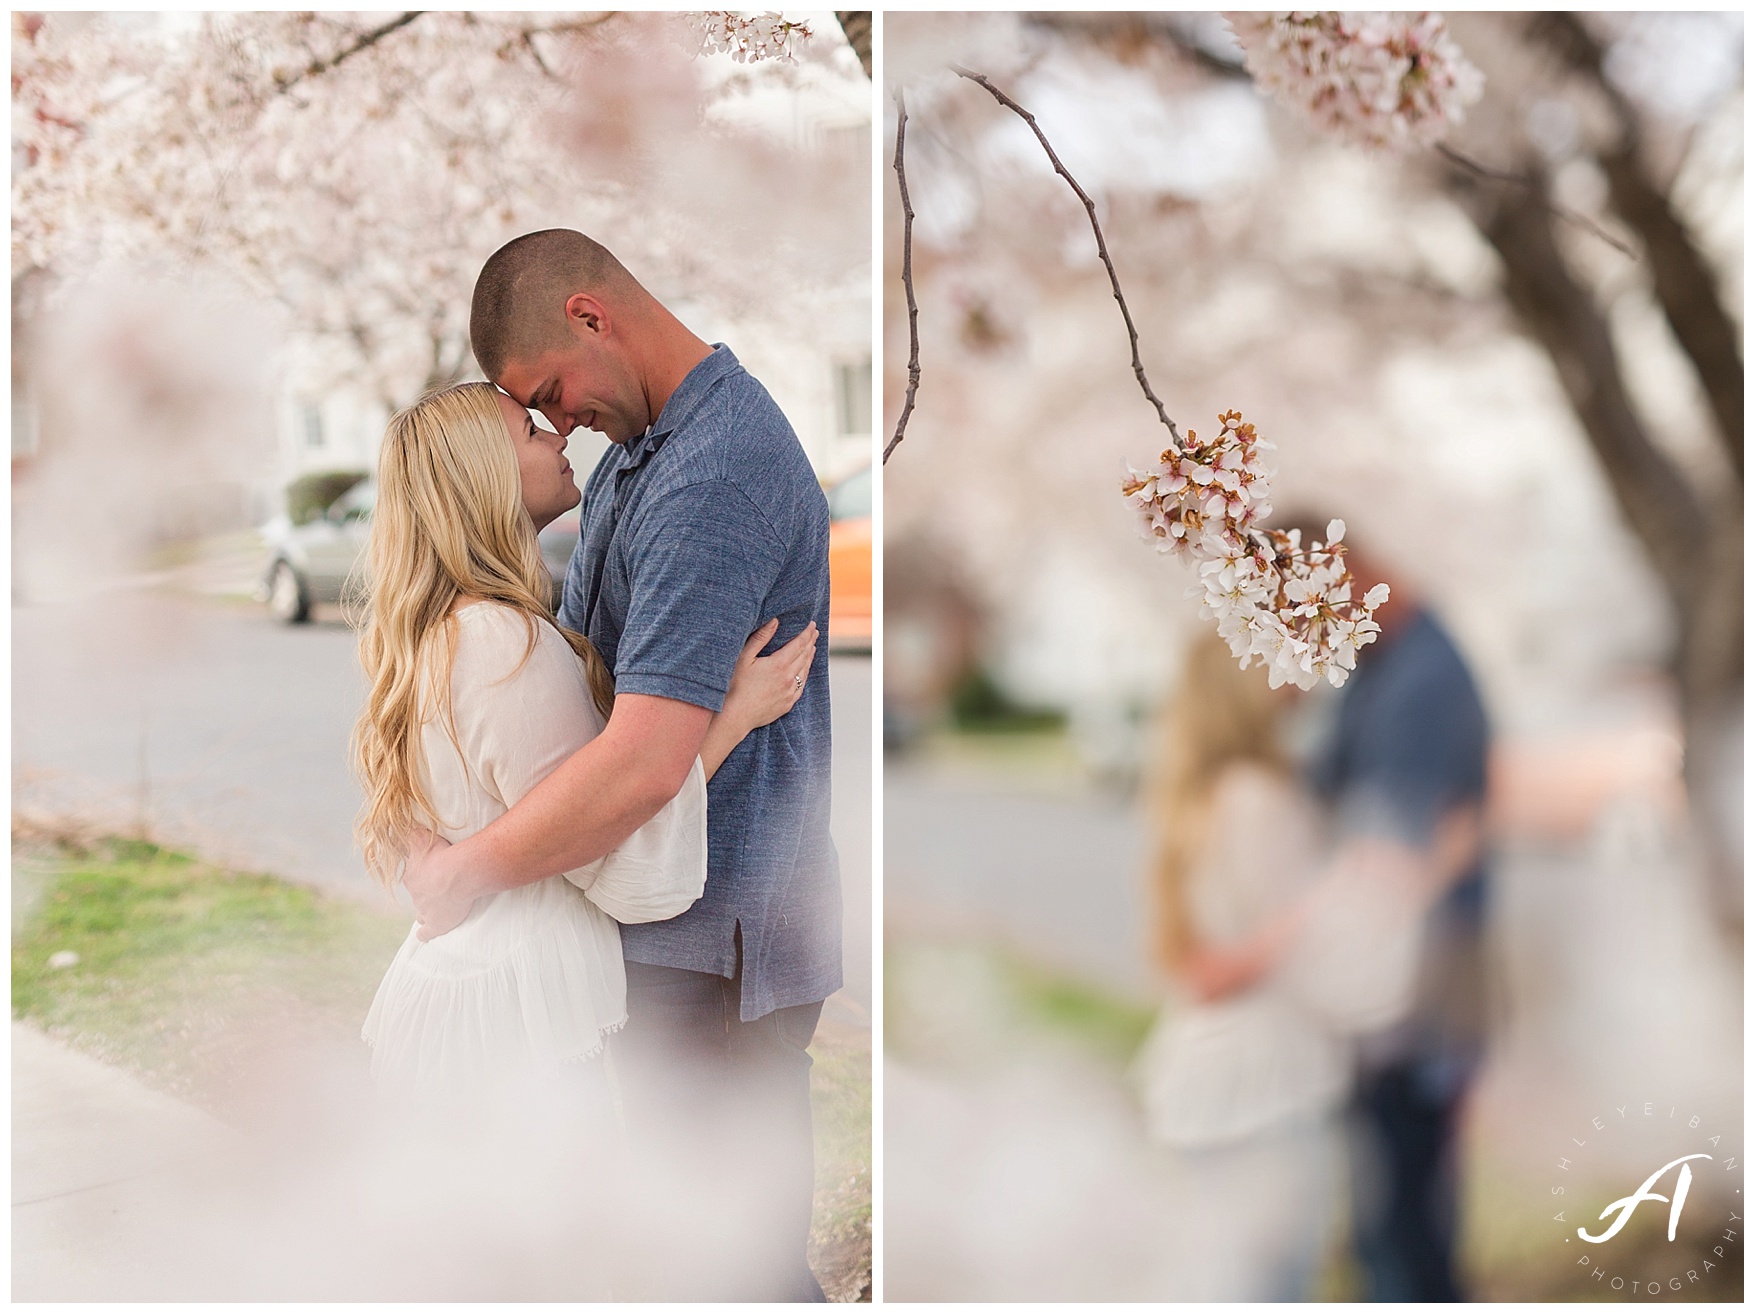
x: 313, y: 426
x: 853, y: 397
x: 850, y: 142
x: 25, y: 437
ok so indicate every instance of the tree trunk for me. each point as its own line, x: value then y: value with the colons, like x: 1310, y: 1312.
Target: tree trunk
x: 1681, y: 278
x: 1688, y: 293
x: 1656, y: 500
x: 856, y: 27
x: 1695, y: 543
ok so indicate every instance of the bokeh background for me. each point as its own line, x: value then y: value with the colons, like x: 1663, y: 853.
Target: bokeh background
x: 1537, y: 417
x: 240, y: 241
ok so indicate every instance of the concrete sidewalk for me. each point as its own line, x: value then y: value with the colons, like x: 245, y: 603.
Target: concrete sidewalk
x: 122, y: 1193
x: 96, y: 1159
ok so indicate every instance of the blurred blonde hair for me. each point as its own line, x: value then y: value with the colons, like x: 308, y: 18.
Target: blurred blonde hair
x: 1218, y: 716
x: 450, y: 521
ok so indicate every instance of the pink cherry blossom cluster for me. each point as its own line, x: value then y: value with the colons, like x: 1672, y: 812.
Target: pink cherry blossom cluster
x: 748, y: 37
x: 1279, y: 602
x: 1392, y: 81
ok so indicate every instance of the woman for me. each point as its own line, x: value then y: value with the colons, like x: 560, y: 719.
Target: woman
x: 1275, y: 959
x: 475, y: 695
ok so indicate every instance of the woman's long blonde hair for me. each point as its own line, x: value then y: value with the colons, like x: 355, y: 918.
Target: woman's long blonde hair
x: 1218, y: 716
x: 450, y: 521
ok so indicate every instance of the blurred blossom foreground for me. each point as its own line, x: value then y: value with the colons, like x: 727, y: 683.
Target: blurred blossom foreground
x: 322, y: 1197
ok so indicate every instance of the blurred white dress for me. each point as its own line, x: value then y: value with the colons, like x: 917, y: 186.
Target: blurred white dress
x: 1247, y: 1090
x: 532, y: 981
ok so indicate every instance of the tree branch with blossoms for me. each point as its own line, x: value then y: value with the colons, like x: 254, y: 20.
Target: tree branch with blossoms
x: 1288, y: 606
x: 1387, y: 82
x: 1379, y: 80
x: 747, y: 39
x: 1279, y: 602
x: 1383, y: 81
x: 366, y: 40
x: 294, y: 153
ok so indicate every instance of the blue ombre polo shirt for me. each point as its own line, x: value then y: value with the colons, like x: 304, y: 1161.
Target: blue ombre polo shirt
x: 1410, y: 742
x: 690, y: 538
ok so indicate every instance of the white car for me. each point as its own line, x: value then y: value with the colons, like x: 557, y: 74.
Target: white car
x: 310, y: 563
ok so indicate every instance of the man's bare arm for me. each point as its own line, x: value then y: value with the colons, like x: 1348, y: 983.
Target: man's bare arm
x: 1423, y: 876
x: 584, y: 808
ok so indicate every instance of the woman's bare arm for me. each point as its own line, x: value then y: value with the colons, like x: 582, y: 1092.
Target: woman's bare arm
x: 763, y: 689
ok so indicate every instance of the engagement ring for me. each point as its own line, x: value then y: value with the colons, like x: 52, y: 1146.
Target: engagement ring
x: 798, y: 682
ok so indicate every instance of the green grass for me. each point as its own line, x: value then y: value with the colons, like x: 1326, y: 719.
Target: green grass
x: 841, y: 1114
x: 962, y: 1004
x: 175, y: 956
x: 1109, y: 1023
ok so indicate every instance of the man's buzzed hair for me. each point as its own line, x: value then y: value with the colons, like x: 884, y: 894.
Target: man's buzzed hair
x: 521, y: 292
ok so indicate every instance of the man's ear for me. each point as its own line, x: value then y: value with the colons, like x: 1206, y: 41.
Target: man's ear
x: 585, y: 313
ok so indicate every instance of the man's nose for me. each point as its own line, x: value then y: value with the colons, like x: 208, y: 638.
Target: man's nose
x: 562, y: 423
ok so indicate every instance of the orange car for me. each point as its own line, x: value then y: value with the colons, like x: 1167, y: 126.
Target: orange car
x: 850, y: 562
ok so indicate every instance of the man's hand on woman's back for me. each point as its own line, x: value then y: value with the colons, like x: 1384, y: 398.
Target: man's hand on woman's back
x: 426, y: 877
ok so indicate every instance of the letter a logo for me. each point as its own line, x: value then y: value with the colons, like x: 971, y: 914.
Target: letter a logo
x: 1628, y: 1203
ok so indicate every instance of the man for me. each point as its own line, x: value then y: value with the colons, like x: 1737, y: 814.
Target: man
x: 700, y: 523
x: 1406, y: 762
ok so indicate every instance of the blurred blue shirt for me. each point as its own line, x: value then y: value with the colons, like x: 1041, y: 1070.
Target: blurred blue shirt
x: 690, y: 538
x: 1409, y: 743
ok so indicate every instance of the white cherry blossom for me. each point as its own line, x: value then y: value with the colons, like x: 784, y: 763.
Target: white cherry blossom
x: 1279, y: 603
x: 355, y: 169
x: 1388, y: 81
x: 747, y: 37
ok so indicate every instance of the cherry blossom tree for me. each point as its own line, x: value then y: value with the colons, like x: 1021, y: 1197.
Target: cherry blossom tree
x: 356, y: 169
x: 1593, y: 209
x: 1560, y: 73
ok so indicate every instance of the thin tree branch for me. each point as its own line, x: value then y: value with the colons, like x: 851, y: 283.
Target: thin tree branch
x: 907, y: 279
x: 365, y: 41
x: 528, y: 40
x: 1457, y: 158
x: 574, y: 27
x: 1133, y: 337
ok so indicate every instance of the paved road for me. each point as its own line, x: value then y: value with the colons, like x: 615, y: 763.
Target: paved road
x: 1052, y: 868
x: 226, y: 732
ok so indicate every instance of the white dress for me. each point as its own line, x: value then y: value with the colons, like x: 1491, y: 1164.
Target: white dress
x: 1245, y: 1091
x: 532, y: 981
x: 1218, y: 1072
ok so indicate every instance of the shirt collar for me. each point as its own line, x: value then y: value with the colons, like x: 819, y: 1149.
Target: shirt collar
x: 689, y: 394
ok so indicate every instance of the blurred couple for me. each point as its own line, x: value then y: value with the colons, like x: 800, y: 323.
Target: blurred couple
x: 612, y: 822
x: 1320, y: 923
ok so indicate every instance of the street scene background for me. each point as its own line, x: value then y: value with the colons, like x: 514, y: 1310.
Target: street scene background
x: 240, y: 242
x: 1368, y: 312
